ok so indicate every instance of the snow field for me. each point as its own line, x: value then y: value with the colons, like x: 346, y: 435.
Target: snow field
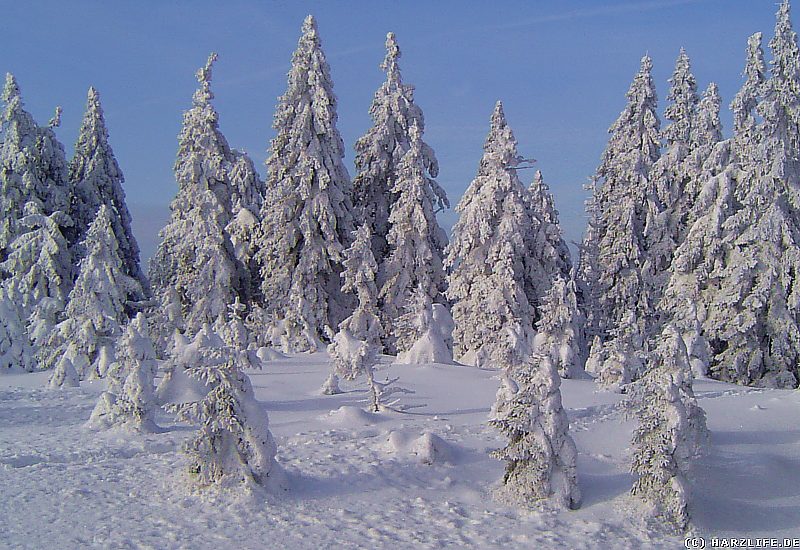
x: 361, y: 480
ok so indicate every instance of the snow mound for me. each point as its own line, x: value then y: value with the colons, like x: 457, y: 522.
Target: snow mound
x: 348, y: 415
x: 269, y: 354
x: 429, y: 348
x: 428, y: 448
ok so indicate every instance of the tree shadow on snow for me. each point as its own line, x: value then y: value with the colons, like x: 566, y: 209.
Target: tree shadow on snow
x: 736, y: 491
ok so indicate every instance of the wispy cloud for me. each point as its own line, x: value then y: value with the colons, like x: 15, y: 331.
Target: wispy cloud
x: 585, y: 13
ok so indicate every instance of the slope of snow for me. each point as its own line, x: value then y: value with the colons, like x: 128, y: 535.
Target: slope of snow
x: 417, y: 479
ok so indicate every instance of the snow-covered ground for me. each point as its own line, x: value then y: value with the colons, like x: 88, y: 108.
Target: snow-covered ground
x: 363, y: 480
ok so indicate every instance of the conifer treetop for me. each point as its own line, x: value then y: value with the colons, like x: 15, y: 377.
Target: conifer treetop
x: 683, y: 94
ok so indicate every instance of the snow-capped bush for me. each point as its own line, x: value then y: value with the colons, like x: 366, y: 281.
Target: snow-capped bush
x: 540, y: 455
x: 130, y: 400
x: 670, y: 433
x: 233, y: 446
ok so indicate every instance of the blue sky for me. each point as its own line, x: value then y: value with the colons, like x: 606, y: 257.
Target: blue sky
x: 560, y: 67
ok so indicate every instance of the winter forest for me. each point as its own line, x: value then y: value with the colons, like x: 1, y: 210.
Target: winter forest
x: 310, y: 358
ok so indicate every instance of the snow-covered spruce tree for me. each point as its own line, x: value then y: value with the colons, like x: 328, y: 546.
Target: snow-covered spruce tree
x: 130, y: 399
x: 195, y: 261
x: 39, y: 271
x: 540, y: 455
x: 380, y: 150
x: 671, y: 429
x: 358, y: 277
x: 97, y: 179
x: 670, y: 175
x: 233, y: 446
x: 621, y: 356
x: 307, y: 216
x: 97, y: 305
x: 559, y: 328
x: 486, y: 283
x: 588, y: 276
x: 745, y: 122
x: 64, y: 375
x: 247, y: 200
x: 419, y: 334
x: 32, y: 168
x: 416, y: 242
x: 15, y: 349
x: 355, y: 347
x: 626, y: 201
x: 548, y: 255
x: 753, y: 321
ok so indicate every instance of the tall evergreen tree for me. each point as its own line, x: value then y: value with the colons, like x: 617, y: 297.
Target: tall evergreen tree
x: 307, y: 216
x: 39, y: 271
x: 487, y: 275
x: 548, y: 255
x: 754, y: 316
x: 32, y: 168
x: 745, y: 122
x: 626, y: 200
x: 671, y: 173
x: 97, y: 306
x: 416, y: 242
x: 97, y: 180
x: 195, y: 262
x: 380, y: 150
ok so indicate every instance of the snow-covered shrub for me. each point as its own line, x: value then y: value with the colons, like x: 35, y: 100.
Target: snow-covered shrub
x: 540, y: 454
x: 670, y: 433
x: 130, y: 400
x: 233, y: 445
x: 64, y: 375
x: 420, y: 338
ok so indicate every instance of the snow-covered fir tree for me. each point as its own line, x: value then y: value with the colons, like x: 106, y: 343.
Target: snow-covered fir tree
x: 559, y: 328
x: 540, y: 455
x: 626, y: 201
x: 670, y: 175
x: 15, y: 349
x: 416, y: 241
x: 358, y: 278
x: 743, y: 106
x: 753, y: 321
x: 548, y: 255
x: 419, y: 335
x: 307, y: 216
x: 130, y: 401
x: 619, y: 361
x: 64, y: 375
x: 195, y: 262
x: 355, y: 347
x: 233, y: 446
x: 487, y: 276
x: 32, y: 168
x: 380, y: 150
x: 97, y: 304
x: 39, y: 271
x: 247, y: 200
x: 690, y: 290
x: 670, y: 431
x: 97, y: 180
